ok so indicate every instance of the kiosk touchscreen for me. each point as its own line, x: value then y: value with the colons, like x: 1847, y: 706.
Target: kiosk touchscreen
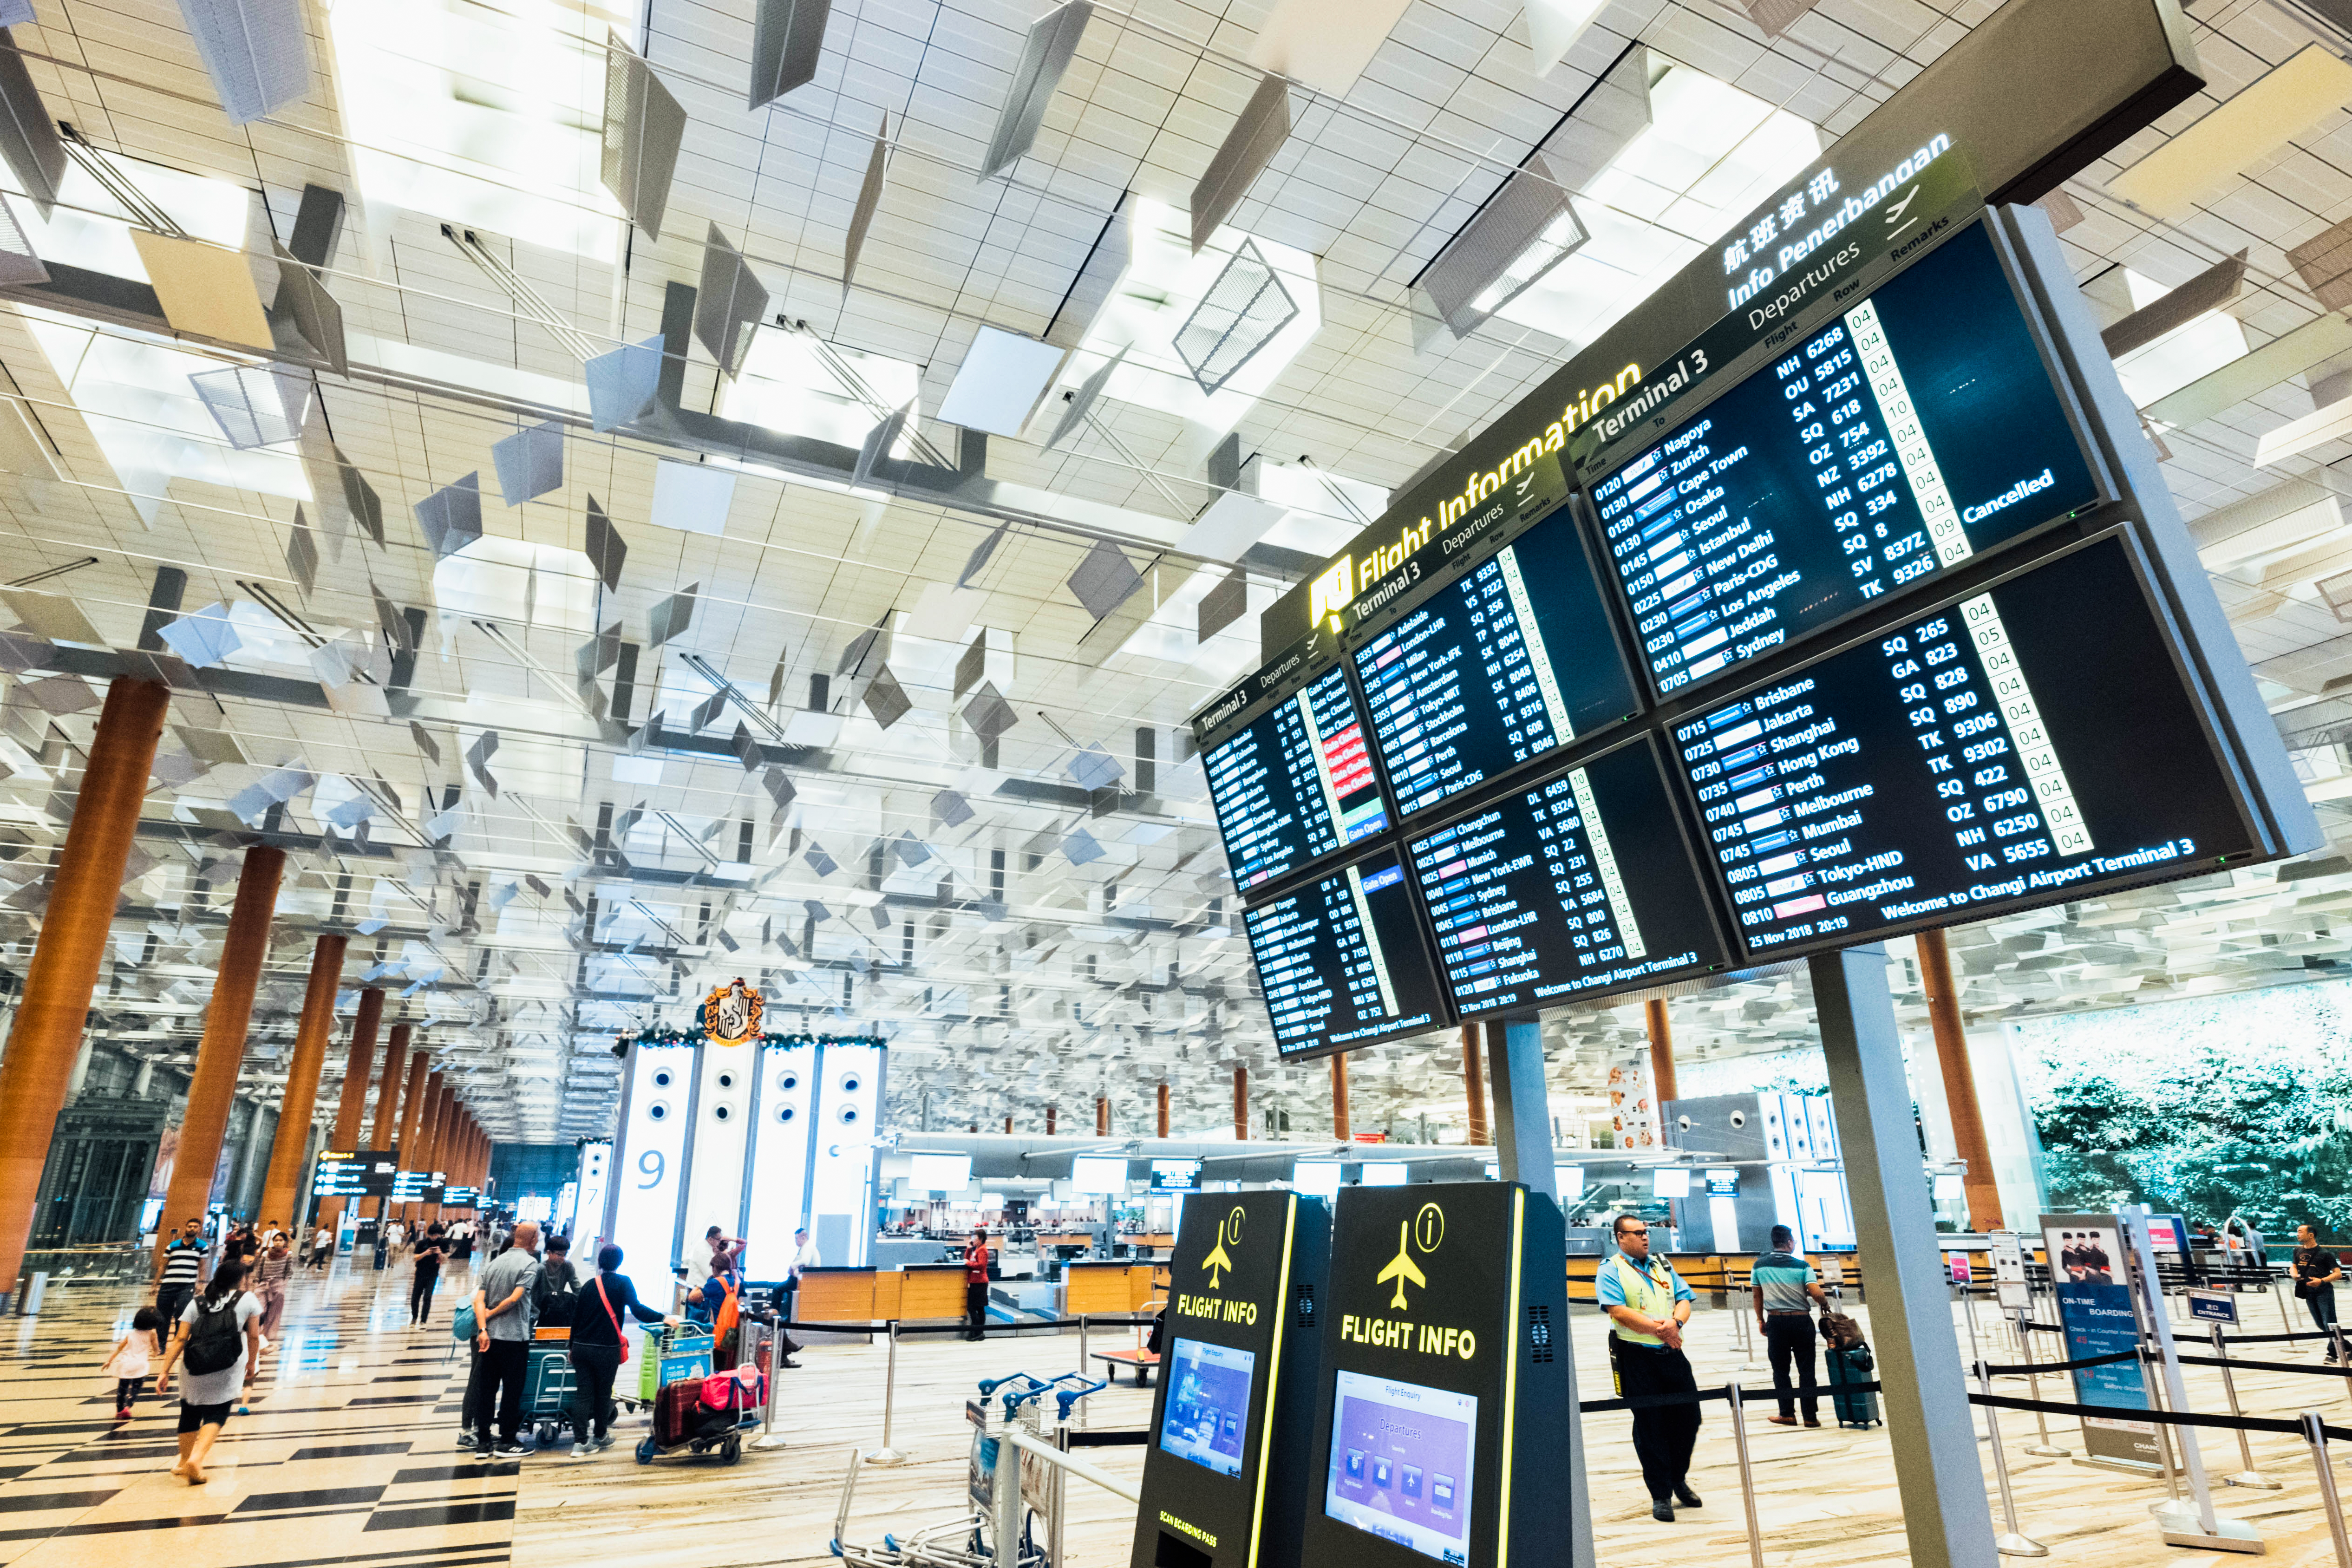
x: 1225, y: 1475
x: 1441, y: 1425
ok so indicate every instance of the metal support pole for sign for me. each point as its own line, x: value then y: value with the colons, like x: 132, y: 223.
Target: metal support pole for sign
x: 2286, y: 1317
x: 2013, y: 1541
x: 2315, y: 1432
x: 1747, y: 1476
x: 2193, y: 1522
x: 1524, y: 1154
x: 2249, y: 1477
x: 1969, y: 1311
x: 1947, y: 1521
x: 886, y: 1454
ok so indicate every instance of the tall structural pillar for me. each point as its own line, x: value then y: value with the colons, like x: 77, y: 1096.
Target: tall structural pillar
x: 54, y: 1009
x: 1959, y: 1080
x: 427, y: 1127
x: 1474, y: 1084
x: 1049, y: 1121
x: 1240, y: 1104
x: 441, y: 1120
x: 1163, y: 1110
x: 281, y: 1194
x: 1662, y: 1054
x: 412, y: 1106
x: 1938, y: 1475
x: 1340, y: 1097
x: 212, y: 1087
x: 387, y: 1091
x: 353, y: 1107
x: 1102, y: 1116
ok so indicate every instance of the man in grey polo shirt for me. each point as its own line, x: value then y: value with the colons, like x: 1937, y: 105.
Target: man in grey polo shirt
x: 504, y: 1316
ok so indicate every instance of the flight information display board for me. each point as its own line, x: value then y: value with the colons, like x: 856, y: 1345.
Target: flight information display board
x: 1343, y: 961
x: 1901, y: 437
x: 411, y: 1186
x: 1512, y: 660
x: 2032, y: 742
x: 1295, y: 783
x: 1578, y: 885
x: 355, y: 1173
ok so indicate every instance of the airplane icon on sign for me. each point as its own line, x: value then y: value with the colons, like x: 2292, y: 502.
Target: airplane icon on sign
x: 1400, y: 1267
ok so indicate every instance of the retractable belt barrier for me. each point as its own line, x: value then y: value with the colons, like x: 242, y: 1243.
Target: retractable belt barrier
x: 881, y: 1325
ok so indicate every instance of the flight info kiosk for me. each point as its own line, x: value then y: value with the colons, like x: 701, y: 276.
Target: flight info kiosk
x: 1441, y: 1420
x: 1225, y: 1475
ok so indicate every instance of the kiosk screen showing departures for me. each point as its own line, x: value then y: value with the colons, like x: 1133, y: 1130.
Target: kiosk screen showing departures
x: 1511, y: 660
x: 1342, y: 959
x: 2002, y: 749
x: 1297, y: 782
x: 1899, y: 439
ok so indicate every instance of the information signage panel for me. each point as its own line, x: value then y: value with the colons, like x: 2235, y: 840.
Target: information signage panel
x: 1441, y: 1426
x: 1919, y: 426
x: 1511, y: 660
x: 1576, y: 886
x: 2090, y: 1272
x: 1344, y: 962
x: 355, y: 1173
x: 1225, y: 1467
x: 1295, y: 783
x: 460, y: 1197
x: 2010, y: 749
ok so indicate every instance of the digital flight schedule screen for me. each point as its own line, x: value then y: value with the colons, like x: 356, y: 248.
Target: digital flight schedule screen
x: 1510, y: 660
x: 1295, y: 783
x: 1400, y: 1459
x: 1574, y: 885
x: 2032, y: 743
x: 1208, y: 1405
x: 1899, y: 439
x: 1342, y: 960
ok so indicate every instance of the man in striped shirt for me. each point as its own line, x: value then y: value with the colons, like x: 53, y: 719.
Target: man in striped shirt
x: 1785, y: 1290
x: 184, y: 1259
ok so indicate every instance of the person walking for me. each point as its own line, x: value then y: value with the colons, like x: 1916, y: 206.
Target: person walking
x: 975, y: 1285
x: 133, y: 1353
x: 270, y: 1274
x: 322, y: 1248
x: 219, y: 1338
x: 599, y: 1341
x: 2316, y: 1271
x: 1786, y: 1292
x: 1648, y: 1305
x: 184, y: 1261
x: 502, y: 1327
x: 430, y: 1248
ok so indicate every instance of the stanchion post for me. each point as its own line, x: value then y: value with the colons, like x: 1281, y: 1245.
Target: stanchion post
x: 1061, y: 1489
x: 2249, y: 1477
x: 2042, y: 1447
x: 2315, y: 1432
x: 2013, y: 1541
x: 2272, y: 1283
x: 1747, y: 1476
x: 886, y: 1454
x: 2335, y: 1343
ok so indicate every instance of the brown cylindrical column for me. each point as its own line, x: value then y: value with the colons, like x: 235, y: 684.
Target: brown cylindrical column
x: 1473, y: 1082
x: 439, y: 1141
x: 55, y: 1007
x: 387, y: 1091
x: 411, y: 1106
x: 1102, y: 1116
x: 1163, y: 1110
x: 282, y: 1194
x: 1959, y: 1080
x: 1241, y: 1103
x: 1662, y: 1054
x: 212, y: 1087
x: 1049, y: 1121
x: 353, y: 1107
x: 428, y: 1126
x: 1008, y: 1124
x: 1340, y: 1097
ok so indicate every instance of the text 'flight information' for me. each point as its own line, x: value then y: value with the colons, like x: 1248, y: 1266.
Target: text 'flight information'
x: 1297, y: 782
x: 2028, y: 744
x: 1342, y: 960
x: 1579, y: 885
x: 1510, y: 660
x: 1918, y: 428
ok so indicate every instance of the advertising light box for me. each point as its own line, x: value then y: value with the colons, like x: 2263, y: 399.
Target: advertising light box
x: 939, y: 1173
x: 1576, y: 886
x: 1295, y: 783
x: 1225, y: 1475
x: 1440, y: 1425
x: 1510, y: 660
x: 2035, y: 741
x: 1918, y: 428
x: 1343, y: 961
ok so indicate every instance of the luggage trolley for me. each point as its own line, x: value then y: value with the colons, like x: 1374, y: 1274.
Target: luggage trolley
x: 548, y: 1384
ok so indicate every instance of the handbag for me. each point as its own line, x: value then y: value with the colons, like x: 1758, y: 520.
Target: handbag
x: 618, y: 1333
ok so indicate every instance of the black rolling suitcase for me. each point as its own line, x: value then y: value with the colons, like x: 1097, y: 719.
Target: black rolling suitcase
x: 1851, y: 1365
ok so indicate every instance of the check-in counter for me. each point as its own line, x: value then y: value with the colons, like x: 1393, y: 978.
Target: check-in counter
x: 1088, y: 1289
x: 836, y: 1296
x: 923, y: 1290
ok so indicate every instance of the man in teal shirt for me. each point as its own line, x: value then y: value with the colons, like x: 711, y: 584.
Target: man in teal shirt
x: 1785, y: 1290
x: 1648, y: 1304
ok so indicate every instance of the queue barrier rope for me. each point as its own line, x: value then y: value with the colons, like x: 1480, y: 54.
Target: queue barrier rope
x: 958, y: 1326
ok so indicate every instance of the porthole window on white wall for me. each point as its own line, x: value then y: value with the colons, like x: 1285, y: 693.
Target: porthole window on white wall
x: 788, y: 1081
x: 722, y: 1111
x: 785, y: 1113
x: 658, y: 1110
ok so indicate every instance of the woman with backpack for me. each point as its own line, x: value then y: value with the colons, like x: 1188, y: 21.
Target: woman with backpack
x: 599, y: 1344
x: 721, y: 1300
x: 219, y: 1340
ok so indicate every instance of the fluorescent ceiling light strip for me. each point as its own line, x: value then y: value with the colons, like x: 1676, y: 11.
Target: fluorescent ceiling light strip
x: 2290, y: 354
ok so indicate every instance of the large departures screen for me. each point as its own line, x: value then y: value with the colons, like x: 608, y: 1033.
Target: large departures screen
x: 2030, y: 742
x: 1512, y: 660
x: 1576, y: 884
x: 1295, y: 783
x: 1342, y: 959
x: 1898, y: 439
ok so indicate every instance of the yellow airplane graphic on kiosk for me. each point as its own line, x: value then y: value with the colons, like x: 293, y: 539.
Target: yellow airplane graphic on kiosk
x: 1217, y: 1261
x: 1400, y: 1267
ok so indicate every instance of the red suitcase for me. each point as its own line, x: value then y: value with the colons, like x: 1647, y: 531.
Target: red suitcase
x: 677, y: 1412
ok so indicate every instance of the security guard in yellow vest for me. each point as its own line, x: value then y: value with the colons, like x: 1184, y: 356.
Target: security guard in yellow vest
x: 1648, y: 1303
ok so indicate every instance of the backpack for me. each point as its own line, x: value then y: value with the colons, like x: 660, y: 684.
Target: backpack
x: 461, y: 1323
x: 214, y: 1343
x: 728, y: 1313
